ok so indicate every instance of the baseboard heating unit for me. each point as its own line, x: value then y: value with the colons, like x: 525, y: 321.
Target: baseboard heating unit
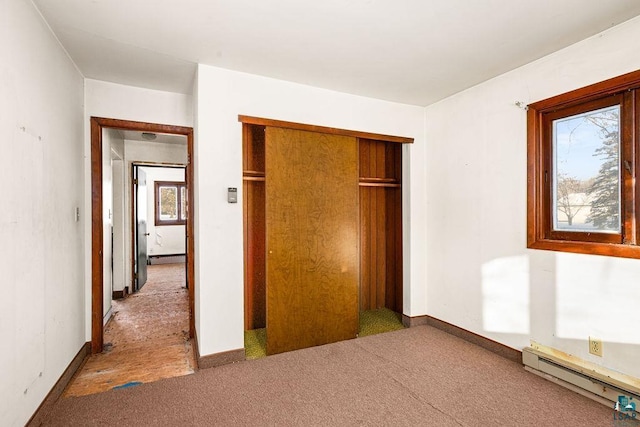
x: 601, y: 384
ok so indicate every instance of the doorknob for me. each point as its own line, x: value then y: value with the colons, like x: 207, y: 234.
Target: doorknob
x: 146, y: 234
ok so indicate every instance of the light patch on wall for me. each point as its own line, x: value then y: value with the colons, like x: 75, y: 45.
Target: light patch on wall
x: 597, y: 296
x: 505, y: 295
x: 30, y: 215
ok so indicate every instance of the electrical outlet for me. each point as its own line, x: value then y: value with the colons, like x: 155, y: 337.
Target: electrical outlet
x: 595, y: 346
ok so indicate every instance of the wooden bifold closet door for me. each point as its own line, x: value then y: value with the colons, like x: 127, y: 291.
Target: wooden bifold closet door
x: 312, y: 238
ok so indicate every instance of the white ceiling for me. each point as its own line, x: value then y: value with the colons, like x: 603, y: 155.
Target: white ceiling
x: 163, y: 138
x: 409, y: 51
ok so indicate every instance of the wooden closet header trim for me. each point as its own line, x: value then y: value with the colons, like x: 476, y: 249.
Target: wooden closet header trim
x: 322, y: 129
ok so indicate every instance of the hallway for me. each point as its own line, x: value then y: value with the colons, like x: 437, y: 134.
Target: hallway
x: 147, y: 338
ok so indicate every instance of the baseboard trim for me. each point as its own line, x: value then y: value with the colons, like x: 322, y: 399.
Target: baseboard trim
x: 167, y: 259
x: 45, y: 407
x: 166, y: 255
x: 410, y: 322
x: 119, y: 294
x: 196, y: 349
x: 480, y: 341
x: 219, y: 359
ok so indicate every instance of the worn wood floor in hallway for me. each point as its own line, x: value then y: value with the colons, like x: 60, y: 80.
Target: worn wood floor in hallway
x: 147, y: 338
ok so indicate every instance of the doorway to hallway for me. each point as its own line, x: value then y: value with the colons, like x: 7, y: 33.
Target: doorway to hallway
x: 146, y: 339
x: 98, y: 217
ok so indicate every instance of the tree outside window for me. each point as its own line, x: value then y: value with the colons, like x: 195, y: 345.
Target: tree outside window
x: 171, y: 203
x: 586, y: 171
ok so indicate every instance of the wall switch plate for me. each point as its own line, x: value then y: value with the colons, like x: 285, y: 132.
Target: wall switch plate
x: 595, y: 346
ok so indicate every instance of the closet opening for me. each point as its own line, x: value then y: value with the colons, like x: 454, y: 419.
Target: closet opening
x: 374, y: 188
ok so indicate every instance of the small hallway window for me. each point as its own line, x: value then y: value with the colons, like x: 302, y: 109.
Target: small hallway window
x: 171, y: 203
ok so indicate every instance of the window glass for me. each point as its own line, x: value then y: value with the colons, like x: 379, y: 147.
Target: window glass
x: 586, y: 171
x: 183, y: 205
x: 168, y: 203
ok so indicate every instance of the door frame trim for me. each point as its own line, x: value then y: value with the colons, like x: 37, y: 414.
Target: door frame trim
x: 97, y: 238
x: 250, y: 120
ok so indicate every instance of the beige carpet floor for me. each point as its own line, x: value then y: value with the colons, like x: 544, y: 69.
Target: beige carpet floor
x: 419, y: 376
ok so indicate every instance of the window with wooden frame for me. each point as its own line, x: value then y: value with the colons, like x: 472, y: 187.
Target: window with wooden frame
x: 171, y: 203
x: 582, y: 167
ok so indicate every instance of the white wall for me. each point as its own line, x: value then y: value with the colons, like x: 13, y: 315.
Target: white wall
x: 113, y: 220
x: 41, y: 102
x: 481, y: 277
x: 222, y: 95
x: 107, y: 224
x: 120, y: 219
x: 163, y: 239
x: 115, y: 101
